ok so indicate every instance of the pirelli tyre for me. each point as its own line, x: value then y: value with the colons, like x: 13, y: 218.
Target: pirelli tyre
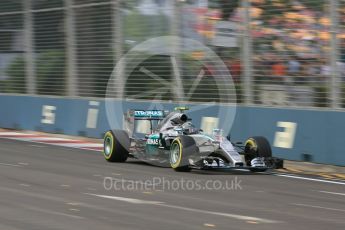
x: 181, y: 149
x: 116, y: 144
x: 257, y: 146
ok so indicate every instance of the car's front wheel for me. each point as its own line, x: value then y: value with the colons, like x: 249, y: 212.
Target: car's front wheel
x: 257, y: 146
x: 181, y: 149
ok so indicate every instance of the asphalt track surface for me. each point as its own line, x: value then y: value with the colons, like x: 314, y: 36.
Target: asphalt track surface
x: 50, y: 187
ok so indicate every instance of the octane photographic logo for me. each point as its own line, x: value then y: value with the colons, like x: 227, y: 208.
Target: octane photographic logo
x: 202, y: 83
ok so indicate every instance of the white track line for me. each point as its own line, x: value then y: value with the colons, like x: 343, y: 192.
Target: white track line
x: 162, y: 204
x: 334, y: 193
x: 125, y: 199
x: 319, y: 207
x: 310, y: 179
x: 229, y: 215
x: 12, y: 165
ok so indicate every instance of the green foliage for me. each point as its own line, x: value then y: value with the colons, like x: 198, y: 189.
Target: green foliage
x: 50, y: 74
x: 10, y: 5
x: 43, y: 4
x: 129, y: 4
x: 16, y: 73
x: 138, y: 27
x: 139, y: 83
x: 315, y: 4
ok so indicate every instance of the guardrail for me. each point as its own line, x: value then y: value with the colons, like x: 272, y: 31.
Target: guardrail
x: 294, y: 134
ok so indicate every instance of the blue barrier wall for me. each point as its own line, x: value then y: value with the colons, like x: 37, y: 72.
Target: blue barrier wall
x: 292, y: 132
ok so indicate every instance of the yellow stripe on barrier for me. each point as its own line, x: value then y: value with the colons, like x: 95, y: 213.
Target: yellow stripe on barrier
x: 325, y: 175
x: 294, y: 170
x: 282, y: 170
x: 339, y: 175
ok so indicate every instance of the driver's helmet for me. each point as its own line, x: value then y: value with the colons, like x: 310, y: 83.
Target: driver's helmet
x: 188, y: 128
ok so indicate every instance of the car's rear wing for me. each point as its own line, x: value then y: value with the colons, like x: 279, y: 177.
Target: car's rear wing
x: 141, y: 115
x: 147, y: 114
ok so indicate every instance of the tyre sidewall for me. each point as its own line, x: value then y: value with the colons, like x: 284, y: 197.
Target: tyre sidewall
x: 187, y: 147
x: 120, y: 146
x: 257, y: 146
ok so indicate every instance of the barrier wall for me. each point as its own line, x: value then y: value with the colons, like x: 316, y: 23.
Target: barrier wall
x: 293, y: 133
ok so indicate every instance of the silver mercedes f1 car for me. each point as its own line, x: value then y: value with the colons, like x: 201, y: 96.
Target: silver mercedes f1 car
x: 173, y: 141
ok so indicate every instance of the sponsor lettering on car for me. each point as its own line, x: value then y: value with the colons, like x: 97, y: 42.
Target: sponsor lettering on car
x: 152, y: 141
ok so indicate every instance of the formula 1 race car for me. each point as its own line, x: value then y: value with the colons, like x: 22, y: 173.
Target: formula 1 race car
x: 174, y: 142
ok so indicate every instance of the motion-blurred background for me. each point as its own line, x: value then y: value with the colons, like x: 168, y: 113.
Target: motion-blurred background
x: 279, y: 52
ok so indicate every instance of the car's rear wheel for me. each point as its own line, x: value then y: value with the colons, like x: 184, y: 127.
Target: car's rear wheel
x: 116, y: 145
x: 181, y: 149
x: 257, y: 146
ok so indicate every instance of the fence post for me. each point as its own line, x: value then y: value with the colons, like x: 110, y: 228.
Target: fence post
x: 117, y: 30
x: 247, y: 55
x: 117, y: 33
x: 29, y: 49
x: 177, y: 50
x: 72, y: 84
x: 335, y: 74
